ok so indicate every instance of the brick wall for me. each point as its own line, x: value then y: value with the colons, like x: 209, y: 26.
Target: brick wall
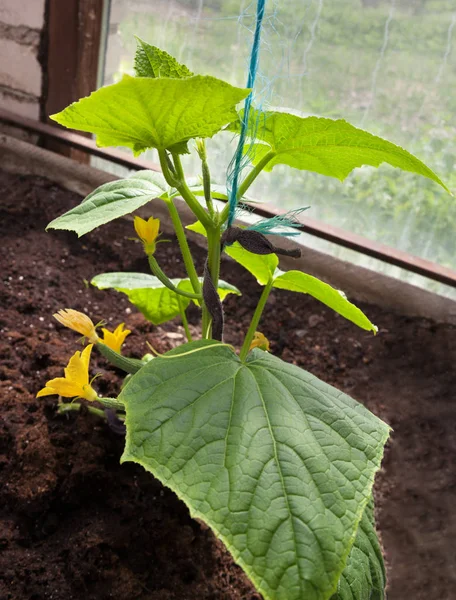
x: 21, y: 77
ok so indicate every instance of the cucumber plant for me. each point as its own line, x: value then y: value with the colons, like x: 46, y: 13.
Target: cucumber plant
x: 278, y: 463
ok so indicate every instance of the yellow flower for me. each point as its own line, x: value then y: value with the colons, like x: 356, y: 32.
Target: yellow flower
x: 114, y: 340
x: 147, y: 232
x: 259, y: 341
x: 76, y: 380
x: 78, y: 321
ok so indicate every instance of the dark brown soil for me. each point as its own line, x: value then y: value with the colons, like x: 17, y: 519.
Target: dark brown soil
x: 75, y: 524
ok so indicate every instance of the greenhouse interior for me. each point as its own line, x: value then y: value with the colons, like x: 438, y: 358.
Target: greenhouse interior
x: 228, y: 299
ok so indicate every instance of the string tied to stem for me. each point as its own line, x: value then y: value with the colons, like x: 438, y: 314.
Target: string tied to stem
x: 237, y: 163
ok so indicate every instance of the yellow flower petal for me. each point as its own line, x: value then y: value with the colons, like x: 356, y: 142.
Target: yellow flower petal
x: 115, y: 339
x: 76, y: 380
x: 140, y: 227
x: 61, y: 387
x: 259, y: 341
x: 77, y: 321
x: 46, y: 391
x: 147, y: 232
x: 85, y: 357
x: 78, y: 367
x: 153, y: 228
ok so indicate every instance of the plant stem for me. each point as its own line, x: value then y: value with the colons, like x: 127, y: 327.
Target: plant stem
x: 187, y: 195
x: 206, y: 177
x: 184, y: 320
x: 65, y: 407
x: 254, y: 173
x: 169, y: 162
x: 255, y: 320
x: 213, y: 260
x: 213, y: 253
x: 129, y: 365
x: 205, y: 324
x: 167, y: 282
x: 186, y: 254
x: 248, y: 182
x: 112, y: 403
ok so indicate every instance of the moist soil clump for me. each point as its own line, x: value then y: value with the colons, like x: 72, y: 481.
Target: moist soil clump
x: 75, y: 524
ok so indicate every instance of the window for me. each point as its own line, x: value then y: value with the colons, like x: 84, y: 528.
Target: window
x: 386, y: 66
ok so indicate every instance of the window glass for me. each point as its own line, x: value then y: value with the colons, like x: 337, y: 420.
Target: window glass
x: 388, y: 66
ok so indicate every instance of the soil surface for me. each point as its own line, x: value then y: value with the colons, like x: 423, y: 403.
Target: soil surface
x: 75, y: 524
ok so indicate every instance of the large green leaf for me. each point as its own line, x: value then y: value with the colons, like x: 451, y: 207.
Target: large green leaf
x: 150, y: 61
x: 156, y: 302
x: 296, y: 281
x: 111, y: 201
x: 326, y: 146
x: 141, y: 112
x: 364, y: 576
x: 278, y: 463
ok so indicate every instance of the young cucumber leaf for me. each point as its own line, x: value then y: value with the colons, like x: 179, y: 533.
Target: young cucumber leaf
x: 156, y: 302
x: 111, y: 201
x: 261, y: 266
x: 150, y: 61
x: 296, y: 281
x: 164, y: 113
x: 197, y: 227
x: 279, y: 464
x: 330, y: 147
x: 364, y: 576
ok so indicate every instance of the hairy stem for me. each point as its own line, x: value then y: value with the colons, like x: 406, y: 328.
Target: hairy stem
x: 213, y: 259
x: 187, y: 195
x: 184, y: 320
x: 167, y: 168
x: 248, y: 182
x: 255, y: 320
x: 205, y: 324
x: 129, y: 365
x: 206, y: 177
x: 183, y: 244
x: 65, y: 407
x: 112, y: 403
x: 154, y: 267
x: 213, y: 253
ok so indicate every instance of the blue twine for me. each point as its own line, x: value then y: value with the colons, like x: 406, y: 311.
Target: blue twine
x: 236, y: 163
x: 282, y: 225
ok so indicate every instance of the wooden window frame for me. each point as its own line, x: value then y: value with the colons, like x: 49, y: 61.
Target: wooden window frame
x: 74, y: 46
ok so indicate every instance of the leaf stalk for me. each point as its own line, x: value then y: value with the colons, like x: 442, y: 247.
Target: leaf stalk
x: 187, y: 195
x: 112, y: 403
x: 184, y: 320
x: 201, y: 148
x: 156, y: 270
x: 213, y: 257
x: 183, y: 244
x: 255, y: 320
x: 248, y: 182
